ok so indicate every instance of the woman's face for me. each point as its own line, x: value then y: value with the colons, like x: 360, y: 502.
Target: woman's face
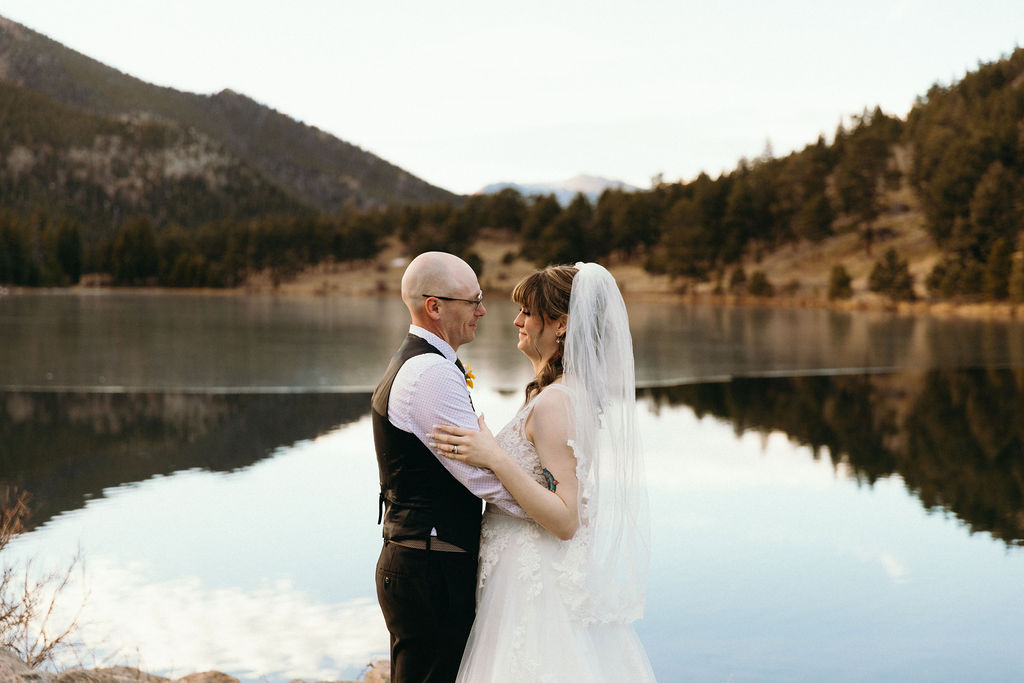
x: 538, y: 336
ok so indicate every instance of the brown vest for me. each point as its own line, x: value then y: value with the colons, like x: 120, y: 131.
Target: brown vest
x: 417, y: 493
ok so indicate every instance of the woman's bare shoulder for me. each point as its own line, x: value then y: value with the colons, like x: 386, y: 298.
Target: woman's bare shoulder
x: 552, y: 410
x: 555, y: 396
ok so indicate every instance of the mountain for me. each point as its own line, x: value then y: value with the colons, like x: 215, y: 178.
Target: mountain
x: 126, y: 143
x: 565, y: 190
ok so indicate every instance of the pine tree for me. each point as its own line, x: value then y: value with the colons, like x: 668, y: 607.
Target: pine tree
x: 134, y: 253
x: 994, y: 211
x: 759, y: 284
x: 540, y: 214
x: 69, y: 250
x: 737, y: 281
x: 1016, y: 284
x: 839, y: 283
x: 997, y: 271
x: 567, y: 238
x: 891, y: 276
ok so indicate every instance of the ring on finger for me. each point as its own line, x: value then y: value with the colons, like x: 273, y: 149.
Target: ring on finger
x: 455, y: 450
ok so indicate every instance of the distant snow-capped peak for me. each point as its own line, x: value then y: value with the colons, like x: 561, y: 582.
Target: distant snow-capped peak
x: 564, y: 190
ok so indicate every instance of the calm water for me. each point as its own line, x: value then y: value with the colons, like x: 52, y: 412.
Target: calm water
x: 835, y: 496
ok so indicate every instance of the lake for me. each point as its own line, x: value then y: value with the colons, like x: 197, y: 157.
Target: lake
x: 835, y: 496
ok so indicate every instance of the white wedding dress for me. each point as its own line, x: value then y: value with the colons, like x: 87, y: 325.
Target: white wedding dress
x: 529, y: 627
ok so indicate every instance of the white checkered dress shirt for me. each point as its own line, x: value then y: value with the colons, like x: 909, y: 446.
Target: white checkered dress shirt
x: 431, y: 390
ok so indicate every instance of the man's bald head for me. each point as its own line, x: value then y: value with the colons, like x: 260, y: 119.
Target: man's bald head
x: 440, y: 291
x: 439, y: 274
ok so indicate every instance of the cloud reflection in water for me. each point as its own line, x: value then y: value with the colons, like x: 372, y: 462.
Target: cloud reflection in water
x: 262, y: 573
x: 768, y: 559
x: 180, y: 626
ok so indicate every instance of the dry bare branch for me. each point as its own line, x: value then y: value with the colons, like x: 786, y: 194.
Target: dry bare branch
x: 27, y: 602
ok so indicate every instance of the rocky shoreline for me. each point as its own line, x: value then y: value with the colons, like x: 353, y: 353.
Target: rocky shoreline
x: 13, y: 670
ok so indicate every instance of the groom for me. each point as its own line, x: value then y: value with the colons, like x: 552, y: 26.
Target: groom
x: 430, y: 505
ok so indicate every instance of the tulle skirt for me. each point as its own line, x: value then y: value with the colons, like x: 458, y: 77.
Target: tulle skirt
x: 524, y: 632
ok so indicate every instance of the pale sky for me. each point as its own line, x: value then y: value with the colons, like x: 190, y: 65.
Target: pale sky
x: 463, y: 93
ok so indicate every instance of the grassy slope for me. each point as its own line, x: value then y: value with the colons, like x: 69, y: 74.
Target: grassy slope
x: 806, y: 264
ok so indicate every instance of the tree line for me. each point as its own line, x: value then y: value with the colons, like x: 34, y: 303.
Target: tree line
x: 40, y: 252
x: 966, y: 153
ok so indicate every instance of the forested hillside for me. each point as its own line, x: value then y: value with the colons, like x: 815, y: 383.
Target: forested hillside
x: 151, y: 186
x: 952, y: 170
x: 322, y: 172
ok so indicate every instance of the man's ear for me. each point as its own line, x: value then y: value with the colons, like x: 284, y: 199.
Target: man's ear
x: 432, y: 308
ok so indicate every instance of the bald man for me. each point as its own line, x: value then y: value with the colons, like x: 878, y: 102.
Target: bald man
x: 430, y: 505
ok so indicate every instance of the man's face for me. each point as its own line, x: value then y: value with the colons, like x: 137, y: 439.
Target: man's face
x: 460, y: 314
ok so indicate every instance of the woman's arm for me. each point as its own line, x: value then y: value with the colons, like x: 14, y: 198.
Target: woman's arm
x: 548, y: 429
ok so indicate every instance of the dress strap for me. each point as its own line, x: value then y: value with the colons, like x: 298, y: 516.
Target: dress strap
x: 527, y: 408
x: 557, y: 385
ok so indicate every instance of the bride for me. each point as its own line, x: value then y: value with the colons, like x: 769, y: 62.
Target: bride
x: 557, y: 595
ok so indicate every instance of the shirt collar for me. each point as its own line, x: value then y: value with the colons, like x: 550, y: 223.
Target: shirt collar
x: 435, y: 341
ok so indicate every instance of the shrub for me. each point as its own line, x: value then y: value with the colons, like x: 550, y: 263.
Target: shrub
x: 972, y: 279
x: 27, y: 604
x: 475, y: 261
x: 936, y: 278
x: 1016, y: 287
x: 737, y: 281
x: 891, y: 276
x: 840, y: 286
x: 997, y: 271
x: 759, y: 284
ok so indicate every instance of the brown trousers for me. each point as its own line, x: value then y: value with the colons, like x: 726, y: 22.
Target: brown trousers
x: 429, y: 600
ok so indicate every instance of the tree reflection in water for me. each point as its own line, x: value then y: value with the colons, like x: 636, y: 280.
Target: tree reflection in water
x: 66, y: 447
x: 955, y: 437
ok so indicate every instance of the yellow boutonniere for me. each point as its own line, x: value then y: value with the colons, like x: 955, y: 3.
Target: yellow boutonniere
x: 469, y: 377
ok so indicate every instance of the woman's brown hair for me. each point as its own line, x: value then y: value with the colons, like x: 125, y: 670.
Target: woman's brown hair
x: 546, y: 293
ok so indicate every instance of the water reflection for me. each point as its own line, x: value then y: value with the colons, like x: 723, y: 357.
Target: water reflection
x: 226, y: 503
x: 190, y: 342
x: 956, y: 437
x: 67, y: 447
x: 265, y: 572
x: 767, y: 558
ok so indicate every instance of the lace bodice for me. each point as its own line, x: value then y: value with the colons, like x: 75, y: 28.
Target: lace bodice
x: 512, y: 439
x: 500, y: 529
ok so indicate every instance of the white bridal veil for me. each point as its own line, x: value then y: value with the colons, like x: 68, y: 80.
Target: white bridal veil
x: 613, y: 541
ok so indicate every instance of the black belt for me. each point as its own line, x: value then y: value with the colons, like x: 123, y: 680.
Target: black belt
x: 434, y: 544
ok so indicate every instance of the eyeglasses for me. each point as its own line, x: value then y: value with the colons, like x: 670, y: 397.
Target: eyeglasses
x: 477, y: 302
